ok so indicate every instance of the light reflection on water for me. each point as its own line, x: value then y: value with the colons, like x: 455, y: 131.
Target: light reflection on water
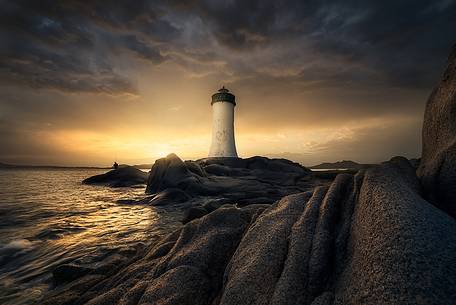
x: 47, y: 217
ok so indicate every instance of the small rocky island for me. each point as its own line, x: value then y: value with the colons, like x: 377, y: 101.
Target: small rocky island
x: 385, y: 235
x: 124, y: 176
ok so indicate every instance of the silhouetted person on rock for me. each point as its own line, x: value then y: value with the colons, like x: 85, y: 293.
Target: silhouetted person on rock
x: 115, y: 165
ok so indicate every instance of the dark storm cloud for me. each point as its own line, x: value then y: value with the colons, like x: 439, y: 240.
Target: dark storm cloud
x: 142, y: 49
x: 42, y: 68
x: 406, y: 42
x: 71, y: 45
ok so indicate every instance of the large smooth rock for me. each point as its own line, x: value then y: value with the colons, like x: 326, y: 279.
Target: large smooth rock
x: 121, y: 177
x: 170, y: 172
x: 437, y: 169
x: 401, y: 249
x: 284, y: 257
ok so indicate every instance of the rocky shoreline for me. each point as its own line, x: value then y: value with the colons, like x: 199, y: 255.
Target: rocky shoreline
x: 200, y: 187
x: 385, y: 235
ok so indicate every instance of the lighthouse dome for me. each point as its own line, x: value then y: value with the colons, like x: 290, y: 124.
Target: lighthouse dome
x: 223, y: 95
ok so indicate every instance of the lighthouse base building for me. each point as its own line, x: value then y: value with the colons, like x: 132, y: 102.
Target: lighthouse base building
x: 223, y: 143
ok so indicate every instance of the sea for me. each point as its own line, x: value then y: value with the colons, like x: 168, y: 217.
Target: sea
x: 48, y: 218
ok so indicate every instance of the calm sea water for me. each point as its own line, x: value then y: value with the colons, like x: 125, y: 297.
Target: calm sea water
x: 47, y: 217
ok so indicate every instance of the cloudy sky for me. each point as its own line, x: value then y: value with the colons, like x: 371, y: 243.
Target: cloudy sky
x: 87, y: 82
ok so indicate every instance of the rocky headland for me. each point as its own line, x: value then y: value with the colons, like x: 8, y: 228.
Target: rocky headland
x: 199, y: 187
x: 124, y: 176
x: 385, y: 235
x: 207, y: 184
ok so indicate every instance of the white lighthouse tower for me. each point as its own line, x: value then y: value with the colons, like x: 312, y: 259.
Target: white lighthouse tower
x: 223, y: 144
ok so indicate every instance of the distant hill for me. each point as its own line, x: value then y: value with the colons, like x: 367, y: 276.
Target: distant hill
x: 345, y: 164
x: 4, y: 165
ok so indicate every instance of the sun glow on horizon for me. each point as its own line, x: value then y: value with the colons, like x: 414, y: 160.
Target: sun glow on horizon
x: 305, y: 145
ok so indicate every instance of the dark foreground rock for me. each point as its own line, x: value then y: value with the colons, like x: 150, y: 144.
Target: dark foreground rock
x: 124, y: 176
x: 438, y: 162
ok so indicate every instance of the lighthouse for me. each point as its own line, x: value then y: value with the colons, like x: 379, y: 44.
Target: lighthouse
x: 223, y: 145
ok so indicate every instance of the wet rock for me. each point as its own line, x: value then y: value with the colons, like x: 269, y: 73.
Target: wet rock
x: 169, y: 196
x: 124, y: 176
x: 127, y: 201
x: 68, y: 272
x: 437, y: 169
x: 130, y: 251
